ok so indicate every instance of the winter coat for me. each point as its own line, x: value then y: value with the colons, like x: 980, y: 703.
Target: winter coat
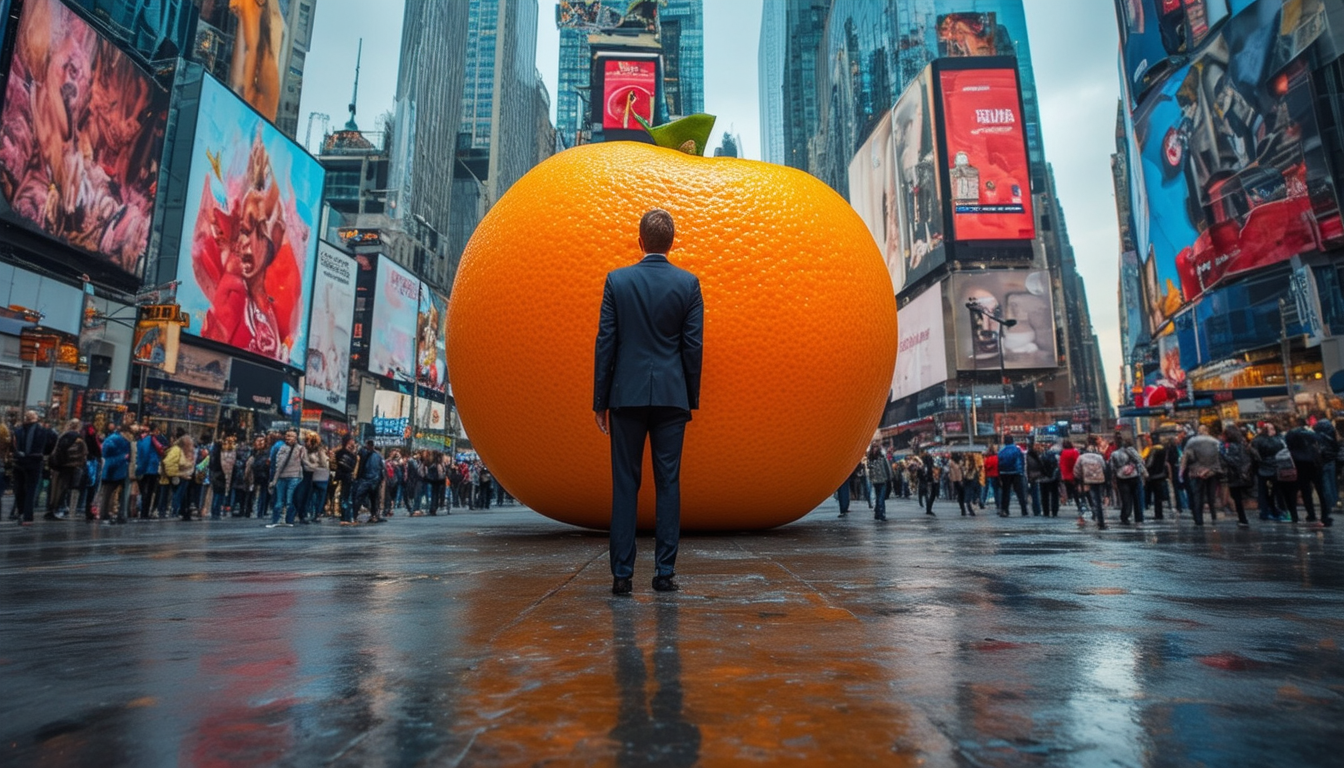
x: 1265, y: 447
x: 71, y: 451
x: 1305, y: 446
x: 116, y: 457
x: 1157, y: 462
x: 288, y: 462
x: 879, y: 471
x: 148, y: 461
x: 316, y: 462
x: 1325, y: 431
x: 1010, y: 460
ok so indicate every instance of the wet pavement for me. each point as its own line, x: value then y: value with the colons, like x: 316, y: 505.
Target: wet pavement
x: 490, y: 638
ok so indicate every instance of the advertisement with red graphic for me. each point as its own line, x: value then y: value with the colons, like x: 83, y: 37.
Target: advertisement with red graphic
x: 630, y: 88
x: 989, y: 183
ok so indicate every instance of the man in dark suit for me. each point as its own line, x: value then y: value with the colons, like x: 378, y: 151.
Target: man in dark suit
x: 646, y: 382
x: 33, y: 446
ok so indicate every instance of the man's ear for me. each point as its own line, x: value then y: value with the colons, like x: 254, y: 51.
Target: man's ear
x: 642, y: 249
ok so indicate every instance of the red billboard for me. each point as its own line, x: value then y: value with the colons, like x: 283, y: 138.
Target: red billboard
x: 629, y: 89
x: 989, y: 181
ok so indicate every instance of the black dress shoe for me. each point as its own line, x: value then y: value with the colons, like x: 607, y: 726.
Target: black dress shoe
x: 664, y: 584
x: 621, y: 586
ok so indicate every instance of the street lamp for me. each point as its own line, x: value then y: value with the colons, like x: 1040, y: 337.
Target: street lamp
x: 1001, y: 322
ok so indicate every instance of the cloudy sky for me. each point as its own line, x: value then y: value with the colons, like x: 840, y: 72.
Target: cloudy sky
x: 1073, y: 47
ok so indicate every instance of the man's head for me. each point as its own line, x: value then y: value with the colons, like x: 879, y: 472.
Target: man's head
x: 30, y: 417
x: 656, y: 231
x: 291, y: 437
x: 72, y: 425
x: 1009, y: 440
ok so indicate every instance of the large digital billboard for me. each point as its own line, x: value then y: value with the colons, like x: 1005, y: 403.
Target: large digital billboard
x: 248, y: 251
x: 872, y: 193
x: 81, y: 136
x: 396, y: 306
x: 1231, y: 174
x: 607, y: 15
x: 918, y: 209
x: 431, y: 328
x: 327, y: 375
x: 1154, y: 31
x: 987, y: 170
x: 258, y: 30
x: 1019, y: 295
x: 968, y: 34
x: 921, y: 358
x: 629, y: 88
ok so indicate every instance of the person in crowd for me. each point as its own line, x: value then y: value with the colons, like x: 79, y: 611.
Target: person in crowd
x: 347, y: 458
x: 6, y: 454
x: 1032, y: 460
x: 1202, y: 470
x: 68, y: 465
x: 244, y: 486
x: 34, y: 444
x: 1179, y: 490
x: 394, y: 473
x: 1049, y: 488
x: 223, y: 461
x: 956, y: 475
x: 455, y: 483
x: 1012, y: 476
x: 199, y: 494
x: 928, y: 483
x: 842, y: 494
x: 116, y: 451
x: 991, y: 489
x: 149, y: 452
x: 1128, y: 469
x: 878, y: 470
x: 93, y: 472
x: 258, y: 476
x: 1090, y: 471
x: 1265, y: 449
x: 176, y: 473
x: 487, y: 482
x: 1156, y: 486
x: 1238, y: 470
x: 1304, y: 445
x: 971, y: 482
x: 1068, y: 457
x: 1325, y: 431
x: 286, y: 476
x: 317, y: 465
x: 369, y: 478
x: 436, y: 476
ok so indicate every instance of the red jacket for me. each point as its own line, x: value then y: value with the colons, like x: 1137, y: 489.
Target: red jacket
x: 991, y: 466
x: 1067, y: 458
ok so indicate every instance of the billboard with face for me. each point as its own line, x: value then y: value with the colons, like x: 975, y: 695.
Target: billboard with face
x: 967, y: 34
x: 872, y: 192
x: 258, y: 30
x: 327, y: 375
x: 81, y: 136
x: 629, y: 88
x: 1018, y: 295
x: 395, y: 309
x: 248, y: 250
x: 1232, y: 175
x: 917, y: 215
x: 431, y: 369
x: 921, y: 358
x: 988, y: 173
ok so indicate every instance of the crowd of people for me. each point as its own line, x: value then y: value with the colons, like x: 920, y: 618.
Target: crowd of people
x: 129, y: 471
x: 1216, y: 468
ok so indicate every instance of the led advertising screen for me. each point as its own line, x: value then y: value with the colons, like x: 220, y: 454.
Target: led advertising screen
x: 1154, y: 31
x: 258, y: 31
x: 921, y: 358
x: 1021, y: 296
x: 81, y: 136
x: 604, y: 16
x: 919, y: 207
x: 968, y: 34
x: 629, y: 88
x: 872, y: 193
x: 989, y: 180
x: 327, y: 375
x: 431, y: 326
x: 1232, y: 175
x: 396, y: 307
x: 391, y: 417
x: 248, y: 252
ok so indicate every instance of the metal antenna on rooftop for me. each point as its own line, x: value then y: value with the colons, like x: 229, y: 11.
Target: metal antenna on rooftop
x: 354, y: 97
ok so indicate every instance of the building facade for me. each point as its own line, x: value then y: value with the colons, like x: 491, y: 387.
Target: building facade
x: 770, y: 81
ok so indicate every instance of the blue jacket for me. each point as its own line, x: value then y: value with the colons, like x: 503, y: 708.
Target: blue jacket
x: 117, y: 457
x: 1010, y: 460
x: 649, y: 338
x: 149, y: 461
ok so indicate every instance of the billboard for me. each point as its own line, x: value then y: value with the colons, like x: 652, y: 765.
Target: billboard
x: 1154, y: 31
x: 986, y: 160
x: 391, y: 417
x: 81, y: 136
x: 327, y: 373
x: 396, y: 307
x: 629, y: 88
x: 607, y: 15
x: 968, y: 34
x: 1020, y: 295
x: 1231, y: 175
x: 247, y: 253
x: 919, y: 207
x: 431, y: 327
x: 259, y: 32
x: 872, y: 192
x: 921, y: 358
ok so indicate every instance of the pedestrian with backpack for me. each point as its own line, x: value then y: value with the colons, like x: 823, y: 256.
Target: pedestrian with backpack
x: 1090, y: 471
x: 1238, y: 470
x: 1265, y: 450
x: 1049, y: 485
x: 1202, y: 471
x: 1156, y: 484
x: 1304, y: 446
x: 1128, y: 469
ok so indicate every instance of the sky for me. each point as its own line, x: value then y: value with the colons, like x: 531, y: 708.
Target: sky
x: 1073, y: 46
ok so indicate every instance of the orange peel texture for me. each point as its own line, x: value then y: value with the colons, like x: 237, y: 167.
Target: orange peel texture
x: 799, y: 343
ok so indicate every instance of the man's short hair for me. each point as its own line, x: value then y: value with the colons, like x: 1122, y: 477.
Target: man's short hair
x: 657, y: 230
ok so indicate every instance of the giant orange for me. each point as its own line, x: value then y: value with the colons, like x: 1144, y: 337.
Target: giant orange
x: 799, y: 344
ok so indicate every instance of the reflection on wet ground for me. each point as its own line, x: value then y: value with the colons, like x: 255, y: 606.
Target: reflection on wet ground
x: 491, y: 639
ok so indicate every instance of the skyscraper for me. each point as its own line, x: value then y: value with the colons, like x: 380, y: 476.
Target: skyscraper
x: 804, y: 28
x: 683, y: 38
x: 156, y: 29
x: 430, y: 84
x: 770, y: 81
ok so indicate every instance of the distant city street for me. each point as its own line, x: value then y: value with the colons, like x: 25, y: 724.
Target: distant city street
x: 489, y: 638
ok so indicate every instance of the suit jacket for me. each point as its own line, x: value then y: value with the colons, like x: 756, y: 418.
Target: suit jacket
x: 649, y: 338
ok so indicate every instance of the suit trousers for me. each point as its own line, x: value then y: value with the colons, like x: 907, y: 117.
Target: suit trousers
x: 664, y: 428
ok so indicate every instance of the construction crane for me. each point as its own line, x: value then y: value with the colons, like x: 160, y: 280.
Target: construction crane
x: 326, y: 124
